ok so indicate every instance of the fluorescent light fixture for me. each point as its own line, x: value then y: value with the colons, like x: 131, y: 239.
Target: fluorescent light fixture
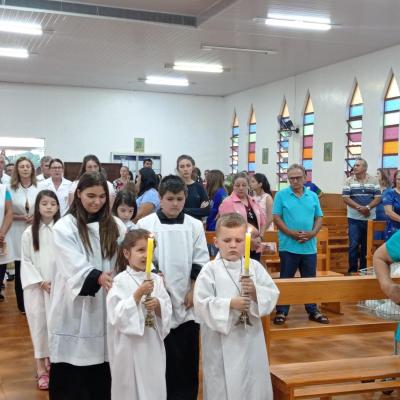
x: 240, y: 49
x: 18, y: 142
x: 196, y: 67
x: 296, y: 22
x: 21, y: 27
x: 162, y: 80
x: 13, y: 52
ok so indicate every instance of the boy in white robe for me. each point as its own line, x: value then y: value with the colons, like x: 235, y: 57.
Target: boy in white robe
x: 235, y: 362
x: 181, y: 252
x: 136, y: 351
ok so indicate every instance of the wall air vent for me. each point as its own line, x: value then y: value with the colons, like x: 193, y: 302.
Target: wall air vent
x: 90, y: 10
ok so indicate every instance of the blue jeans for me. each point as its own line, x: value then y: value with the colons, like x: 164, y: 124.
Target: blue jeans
x: 307, y: 265
x: 357, y: 238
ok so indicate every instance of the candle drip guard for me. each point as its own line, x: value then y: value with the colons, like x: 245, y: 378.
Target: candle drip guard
x: 244, y: 318
x: 149, y: 319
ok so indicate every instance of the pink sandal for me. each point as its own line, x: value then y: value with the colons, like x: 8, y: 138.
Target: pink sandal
x: 43, y: 382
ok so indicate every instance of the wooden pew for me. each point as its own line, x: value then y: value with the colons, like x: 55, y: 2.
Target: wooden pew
x: 324, y: 379
x: 325, y: 290
x: 372, y: 244
x: 272, y: 260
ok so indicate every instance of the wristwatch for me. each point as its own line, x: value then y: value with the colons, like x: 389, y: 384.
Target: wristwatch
x: 369, y: 208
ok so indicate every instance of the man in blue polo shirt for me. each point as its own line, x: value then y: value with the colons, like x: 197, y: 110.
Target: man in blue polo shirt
x: 385, y: 255
x: 298, y: 216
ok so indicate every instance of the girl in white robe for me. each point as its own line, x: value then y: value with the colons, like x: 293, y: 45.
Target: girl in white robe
x: 37, y: 272
x: 136, y: 351
x: 85, y: 242
x: 234, y: 356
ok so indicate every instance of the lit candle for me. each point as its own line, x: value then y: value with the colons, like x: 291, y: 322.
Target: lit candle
x: 247, y: 253
x: 149, y: 258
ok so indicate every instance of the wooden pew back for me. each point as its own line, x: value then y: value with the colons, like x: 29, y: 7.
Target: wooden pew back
x: 373, y: 244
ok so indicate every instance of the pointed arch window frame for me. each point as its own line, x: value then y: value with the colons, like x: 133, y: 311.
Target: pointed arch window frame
x: 251, y: 156
x: 354, y: 129
x: 283, y: 150
x: 391, y: 122
x: 308, y: 137
x: 234, y: 165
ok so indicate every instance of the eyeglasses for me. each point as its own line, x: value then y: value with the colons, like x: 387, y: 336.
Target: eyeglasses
x: 56, y: 168
x: 295, y: 178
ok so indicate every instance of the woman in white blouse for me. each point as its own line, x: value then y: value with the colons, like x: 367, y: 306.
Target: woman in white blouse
x: 23, y: 190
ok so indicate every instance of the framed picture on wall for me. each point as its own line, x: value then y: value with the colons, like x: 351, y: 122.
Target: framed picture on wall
x: 328, y: 151
x: 138, y: 145
x: 265, y: 156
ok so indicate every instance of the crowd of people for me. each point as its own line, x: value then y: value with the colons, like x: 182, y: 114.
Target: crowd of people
x: 80, y: 251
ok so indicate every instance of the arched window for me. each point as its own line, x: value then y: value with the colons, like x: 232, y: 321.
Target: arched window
x: 235, y: 145
x: 308, y: 138
x: 354, y: 132
x: 252, y: 142
x: 283, y: 149
x: 390, y: 146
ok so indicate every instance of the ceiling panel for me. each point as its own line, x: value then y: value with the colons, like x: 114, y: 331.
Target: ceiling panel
x: 109, y: 53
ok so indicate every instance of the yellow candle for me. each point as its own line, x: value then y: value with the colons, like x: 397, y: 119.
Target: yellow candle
x: 247, y: 253
x: 149, y: 259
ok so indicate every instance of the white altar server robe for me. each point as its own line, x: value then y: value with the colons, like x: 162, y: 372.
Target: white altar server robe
x: 77, y: 324
x: 235, y: 362
x: 137, y: 353
x: 36, y: 267
x: 179, y: 246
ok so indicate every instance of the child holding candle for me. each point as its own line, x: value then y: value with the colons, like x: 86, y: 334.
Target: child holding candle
x: 136, y: 351
x: 180, y: 254
x: 235, y: 362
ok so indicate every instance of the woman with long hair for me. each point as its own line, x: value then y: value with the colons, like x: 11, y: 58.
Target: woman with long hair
x: 90, y: 163
x: 147, y: 200
x: 197, y: 203
x: 86, y: 242
x: 262, y: 195
x: 216, y: 193
x: 23, y: 190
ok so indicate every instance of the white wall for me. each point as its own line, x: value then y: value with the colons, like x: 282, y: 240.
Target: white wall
x: 78, y: 121
x: 330, y: 88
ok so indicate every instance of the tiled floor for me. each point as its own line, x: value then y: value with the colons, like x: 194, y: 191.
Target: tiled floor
x: 17, y: 365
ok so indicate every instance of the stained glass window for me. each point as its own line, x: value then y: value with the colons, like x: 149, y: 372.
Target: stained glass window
x: 252, y: 142
x: 390, y: 146
x: 235, y: 145
x: 283, y: 151
x: 308, y: 138
x: 354, y: 132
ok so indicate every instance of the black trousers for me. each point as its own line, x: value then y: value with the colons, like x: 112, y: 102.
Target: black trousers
x: 182, y: 350
x: 19, y: 293
x: 3, y: 268
x: 69, y: 382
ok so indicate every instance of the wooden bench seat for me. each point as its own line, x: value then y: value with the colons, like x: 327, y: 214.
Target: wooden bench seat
x: 334, y: 377
x: 330, y: 291
x: 299, y: 380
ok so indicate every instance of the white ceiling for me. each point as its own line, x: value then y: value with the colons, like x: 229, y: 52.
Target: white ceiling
x: 114, y: 53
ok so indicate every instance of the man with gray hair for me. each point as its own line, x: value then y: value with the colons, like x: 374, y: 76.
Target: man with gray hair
x: 44, y: 169
x: 298, y: 216
x: 4, y: 178
x: 361, y: 193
